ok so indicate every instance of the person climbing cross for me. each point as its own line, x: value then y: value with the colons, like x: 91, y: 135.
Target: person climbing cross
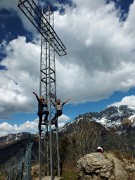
x: 59, y: 106
x: 41, y: 105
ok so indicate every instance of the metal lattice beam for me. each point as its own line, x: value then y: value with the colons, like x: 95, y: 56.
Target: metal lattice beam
x: 34, y: 14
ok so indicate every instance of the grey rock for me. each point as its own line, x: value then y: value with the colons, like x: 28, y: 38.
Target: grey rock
x: 97, y: 166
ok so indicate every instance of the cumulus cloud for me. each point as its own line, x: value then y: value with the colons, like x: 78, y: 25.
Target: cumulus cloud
x: 127, y: 100
x: 63, y: 119
x: 99, y: 60
x: 100, y: 48
x: 28, y: 126
x: 21, y: 77
x: 90, y: 4
x: 5, y: 4
x: 6, y: 128
x: 12, y: 6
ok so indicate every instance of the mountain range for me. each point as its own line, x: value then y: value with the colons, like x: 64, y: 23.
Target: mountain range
x: 112, y: 128
x: 116, y: 118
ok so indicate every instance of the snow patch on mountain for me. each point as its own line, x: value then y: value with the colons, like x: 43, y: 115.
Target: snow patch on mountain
x: 118, y: 118
x: 13, y: 137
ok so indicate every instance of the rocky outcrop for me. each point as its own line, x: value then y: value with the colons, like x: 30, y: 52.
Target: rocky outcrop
x: 98, y: 166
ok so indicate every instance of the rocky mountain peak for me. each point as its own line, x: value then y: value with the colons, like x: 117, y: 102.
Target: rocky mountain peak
x: 117, y: 118
x: 119, y: 112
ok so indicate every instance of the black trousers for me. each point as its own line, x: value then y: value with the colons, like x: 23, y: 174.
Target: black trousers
x: 40, y: 115
x: 57, y: 114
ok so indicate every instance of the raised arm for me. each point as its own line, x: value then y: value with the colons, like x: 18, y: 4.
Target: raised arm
x: 66, y: 101
x: 36, y: 96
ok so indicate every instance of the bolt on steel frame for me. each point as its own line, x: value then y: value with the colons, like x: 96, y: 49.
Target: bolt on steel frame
x: 43, y: 20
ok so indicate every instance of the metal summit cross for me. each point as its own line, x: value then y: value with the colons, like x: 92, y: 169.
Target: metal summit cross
x: 43, y: 20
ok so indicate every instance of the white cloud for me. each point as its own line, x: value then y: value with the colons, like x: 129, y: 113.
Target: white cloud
x: 127, y: 100
x: 6, y: 128
x: 89, y: 4
x: 28, y: 126
x: 21, y: 77
x: 12, y: 6
x: 5, y: 4
x: 63, y: 119
x: 100, y: 58
x: 129, y: 25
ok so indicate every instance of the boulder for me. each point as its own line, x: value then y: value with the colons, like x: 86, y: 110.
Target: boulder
x: 98, y: 166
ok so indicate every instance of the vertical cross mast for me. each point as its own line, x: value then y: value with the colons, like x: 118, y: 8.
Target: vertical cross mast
x: 50, y: 43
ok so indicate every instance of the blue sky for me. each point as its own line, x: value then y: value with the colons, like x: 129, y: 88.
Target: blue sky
x: 98, y: 70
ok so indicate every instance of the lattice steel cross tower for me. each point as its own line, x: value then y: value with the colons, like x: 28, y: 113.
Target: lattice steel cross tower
x: 43, y: 20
